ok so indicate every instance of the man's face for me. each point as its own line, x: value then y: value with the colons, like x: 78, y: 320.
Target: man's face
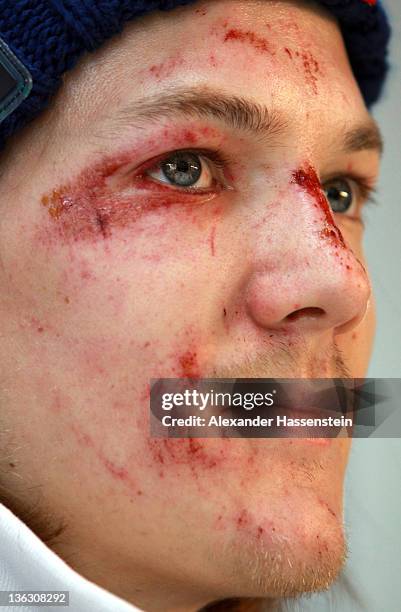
x: 170, y: 225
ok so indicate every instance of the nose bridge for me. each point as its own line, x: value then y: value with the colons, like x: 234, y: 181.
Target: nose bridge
x: 299, y: 229
x: 307, y: 276
x: 313, y: 225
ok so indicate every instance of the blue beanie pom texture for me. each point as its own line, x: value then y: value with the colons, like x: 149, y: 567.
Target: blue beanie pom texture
x: 49, y: 37
x: 366, y: 34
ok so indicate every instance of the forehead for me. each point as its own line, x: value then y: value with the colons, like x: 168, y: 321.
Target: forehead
x: 290, y: 54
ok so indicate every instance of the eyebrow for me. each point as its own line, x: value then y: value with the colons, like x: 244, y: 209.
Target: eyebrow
x: 363, y: 137
x: 237, y: 112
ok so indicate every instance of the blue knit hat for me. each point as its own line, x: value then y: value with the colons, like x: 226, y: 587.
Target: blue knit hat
x: 48, y: 37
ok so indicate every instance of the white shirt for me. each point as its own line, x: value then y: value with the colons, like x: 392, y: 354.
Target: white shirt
x: 27, y: 564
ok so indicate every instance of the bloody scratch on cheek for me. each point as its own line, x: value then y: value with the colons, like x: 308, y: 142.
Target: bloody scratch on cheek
x: 213, y: 60
x: 116, y: 472
x: 169, y: 454
x: 245, y: 522
x: 326, y: 505
x: 189, y: 365
x: 242, y: 519
x: 213, y: 241
x: 288, y: 52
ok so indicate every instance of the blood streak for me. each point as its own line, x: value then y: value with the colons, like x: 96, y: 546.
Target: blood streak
x: 213, y: 60
x: 311, y: 68
x: 308, y: 180
x: 189, y: 365
x: 166, y: 69
x: 370, y: 2
x: 310, y: 65
x: 213, y: 241
x: 242, y: 519
x: 117, y: 472
x: 186, y: 452
x: 257, y: 42
x: 326, y: 505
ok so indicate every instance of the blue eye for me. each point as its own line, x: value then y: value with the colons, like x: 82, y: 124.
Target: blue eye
x: 193, y: 171
x: 339, y: 194
x: 182, y: 169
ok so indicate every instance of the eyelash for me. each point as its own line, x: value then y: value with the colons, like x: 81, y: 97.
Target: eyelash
x: 365, y: 190
x: 219, y: 161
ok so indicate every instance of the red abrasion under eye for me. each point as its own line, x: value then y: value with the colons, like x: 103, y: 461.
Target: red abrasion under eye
x: 90, y: 208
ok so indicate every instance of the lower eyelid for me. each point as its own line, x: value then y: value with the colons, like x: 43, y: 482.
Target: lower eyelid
x: 146, y: 182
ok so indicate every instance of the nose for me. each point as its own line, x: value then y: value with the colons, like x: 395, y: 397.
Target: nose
x: 305, y: 278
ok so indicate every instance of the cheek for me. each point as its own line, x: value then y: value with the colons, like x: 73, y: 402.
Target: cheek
x: 96, y: 310
x: 357, y: 344
x: 109, y: 320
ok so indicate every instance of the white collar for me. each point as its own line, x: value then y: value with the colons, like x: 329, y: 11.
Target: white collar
x: 27, y: 564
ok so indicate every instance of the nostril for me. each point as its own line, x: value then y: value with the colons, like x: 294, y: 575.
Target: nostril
x: 312, y: 313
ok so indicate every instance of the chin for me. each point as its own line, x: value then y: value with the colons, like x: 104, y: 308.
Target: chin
x: 288, y: 569
x: 287, y: 551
